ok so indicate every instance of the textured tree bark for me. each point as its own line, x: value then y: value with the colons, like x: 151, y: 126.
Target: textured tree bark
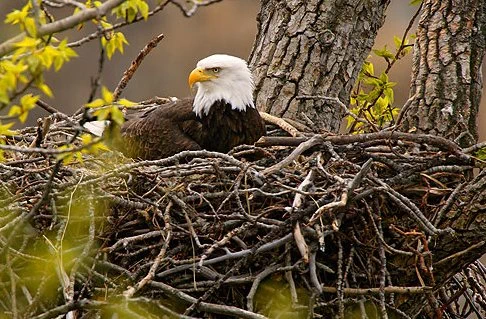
x: 314, y: 47
x: 446, y: 72
x: 317, y: 48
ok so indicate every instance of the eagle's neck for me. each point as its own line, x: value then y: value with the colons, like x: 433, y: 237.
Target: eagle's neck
x: 238, y: 94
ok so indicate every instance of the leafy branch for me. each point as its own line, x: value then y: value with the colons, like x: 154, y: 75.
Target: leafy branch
x: 61, y: 25
x: 373, y: 95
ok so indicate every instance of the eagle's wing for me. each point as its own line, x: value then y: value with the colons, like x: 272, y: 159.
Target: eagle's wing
x: 161, y: 132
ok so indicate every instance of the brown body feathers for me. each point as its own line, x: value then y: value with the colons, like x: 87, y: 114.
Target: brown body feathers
x: 174, y: 127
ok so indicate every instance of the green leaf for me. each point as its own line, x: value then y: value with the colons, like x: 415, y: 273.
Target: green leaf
x: 30, y: 28
x: 143, y: 8
x: 102, y: 114
x: 384, y: 78
x: 45, y: 89
x: 398, y: 42
x: 4, y: 99
x: 368, y: 68
x: 66, y: 157
x: 58, y: 64
x: 116, y: 41
x: 106, y: 95
x: 2, y: 152
x: 119, y: 40
x: 362, y: 97
x: 47, y: 56
x: 415, y: 2
x: 373, y: 95
x: 18, y: 16
x: 380, y: 105
x: 129, y: 10
x: 126, y: 103
x: 23, y: 117
x: 95, y: 147
x: 5, y: 129
x: 28, y: 42
x: 86, y: 139
x: 384, y: 53
x: 117, y: 115
x: 28, y: 101
x: 10, y: 66
x: 65, y: 54
x: 481, y: 153
x: 389, y: 94
x: 96, y: 103
x: 406, y: 50
x: 131, y: 14
x: 34, y: 63
x: 372, y: 81
x: 79, y: 157
x: 110, y: 49
x: 14, y: 110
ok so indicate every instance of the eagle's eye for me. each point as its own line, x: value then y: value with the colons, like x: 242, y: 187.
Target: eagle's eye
x: 215, y: 70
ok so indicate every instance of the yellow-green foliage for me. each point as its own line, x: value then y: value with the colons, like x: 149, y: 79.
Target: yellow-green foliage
x: 27, y: 103
x: 129, y: 10
x: 273, y: 299
x: 5, y: 131
x: 31, y: 58
x: 481, y: 153
x: 372, y: 97
x: 107, y: 108
x: 24, y: 19
x: 47, y: 259
x: 115, y: 42
x: 22, y: 71
x: 90, y: 145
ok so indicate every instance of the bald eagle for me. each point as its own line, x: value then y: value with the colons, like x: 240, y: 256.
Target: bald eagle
x: 222, y: 115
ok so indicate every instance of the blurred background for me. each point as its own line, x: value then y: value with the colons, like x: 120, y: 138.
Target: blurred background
x: 225, y: 27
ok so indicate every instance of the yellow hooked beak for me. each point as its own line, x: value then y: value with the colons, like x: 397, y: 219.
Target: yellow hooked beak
x: 199, y: 75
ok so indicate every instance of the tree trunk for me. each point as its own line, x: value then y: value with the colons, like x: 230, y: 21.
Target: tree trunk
x: 446, y: 76
x: 312, y: 48
x: 447, y: 83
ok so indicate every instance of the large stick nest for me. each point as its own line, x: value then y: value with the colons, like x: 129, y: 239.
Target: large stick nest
x: 336, y: 225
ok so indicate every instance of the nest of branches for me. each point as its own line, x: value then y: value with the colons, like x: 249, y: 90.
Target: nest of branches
x: 302, y: 227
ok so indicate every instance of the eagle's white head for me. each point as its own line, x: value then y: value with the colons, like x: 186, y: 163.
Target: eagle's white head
x: 222, y: 77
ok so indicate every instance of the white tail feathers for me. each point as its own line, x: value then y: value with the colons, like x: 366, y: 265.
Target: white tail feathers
x: 96, y: 127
